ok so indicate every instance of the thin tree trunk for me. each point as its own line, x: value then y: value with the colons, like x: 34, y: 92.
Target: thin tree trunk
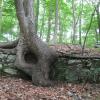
x: 49, y: 23
x: 60, y: 29
x: 56, y: 24
x: 42, y: 26
x: 92, y: 15
x: 61, y: 35
x: 80, y: 23
x: 1, y: 5
x: 74, y: 22
x: 98, y: 17
x: 96, y: 35
x: 80, y: 40
x: 49, y: 30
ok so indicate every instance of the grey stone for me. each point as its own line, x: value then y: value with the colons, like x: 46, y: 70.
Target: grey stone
x: 70, y: 93
x: 10, y: 71
x: 1, y: 66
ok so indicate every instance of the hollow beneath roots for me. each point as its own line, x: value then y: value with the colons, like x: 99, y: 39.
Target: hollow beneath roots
x: 30, y: 58
x: 35, y: 64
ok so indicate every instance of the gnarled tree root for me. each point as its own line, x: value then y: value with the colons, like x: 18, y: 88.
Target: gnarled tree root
x: 10, y: 45
x: 37, y: 67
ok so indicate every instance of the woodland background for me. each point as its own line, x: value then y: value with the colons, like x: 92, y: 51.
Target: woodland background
x: 58, y: 22
x: 63, y: 23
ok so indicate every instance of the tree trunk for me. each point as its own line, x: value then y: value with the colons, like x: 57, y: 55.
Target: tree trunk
x: 74, y: 22
x: 98, y: 17
x: 49, y: 23
x: 80, y: 33
x: 34, y: 57
x: 42, y: 26
x: 56, y: 23
x: 80, y: 24
x: 1, y: 8
x: 60, y: 29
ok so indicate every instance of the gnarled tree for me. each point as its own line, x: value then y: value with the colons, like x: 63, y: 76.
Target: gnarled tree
x: 33, y: 56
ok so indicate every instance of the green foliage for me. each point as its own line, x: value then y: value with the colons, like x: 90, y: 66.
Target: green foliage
x: 8, y: 18
x: 65, y: 14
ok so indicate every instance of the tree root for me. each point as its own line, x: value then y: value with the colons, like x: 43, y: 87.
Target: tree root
x: 38, y: 66
x: 33, y: 66
x: 20, y: 60
x: 10, y: 45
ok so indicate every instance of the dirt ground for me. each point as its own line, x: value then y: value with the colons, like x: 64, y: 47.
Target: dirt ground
x: 12, y: 88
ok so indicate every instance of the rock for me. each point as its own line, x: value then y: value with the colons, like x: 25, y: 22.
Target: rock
x: 2, y: 55
x: 10, y: 71
x: 70, y: 93
x: 11, y: 58
x: 77, y: 97
x: 11, y: 65
x: 74, y: 62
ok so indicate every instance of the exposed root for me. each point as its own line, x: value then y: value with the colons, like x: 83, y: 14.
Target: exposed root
x: 10, y: 45
x: 20, y: 62
x: 34, y: 66
x: 38, y: 65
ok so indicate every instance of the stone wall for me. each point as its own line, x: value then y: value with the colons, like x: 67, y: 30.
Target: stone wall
x: 69, y: 70
x: 7, y: 63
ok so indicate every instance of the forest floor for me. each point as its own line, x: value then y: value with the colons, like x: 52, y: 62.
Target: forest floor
x: 13, y: 88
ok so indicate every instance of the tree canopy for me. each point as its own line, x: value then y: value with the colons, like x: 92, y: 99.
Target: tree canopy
x: 73, y: 20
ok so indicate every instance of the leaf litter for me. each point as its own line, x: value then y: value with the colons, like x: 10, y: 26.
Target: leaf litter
x: 13, y: 88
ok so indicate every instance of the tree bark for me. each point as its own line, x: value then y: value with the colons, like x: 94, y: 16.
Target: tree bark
x: 98, y: 17
x: 41, y: 56
x: 74, y: 22
x: 56, y: 23
x: 42, y: 26
x: 1, y: 8
x: 49, y: 23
